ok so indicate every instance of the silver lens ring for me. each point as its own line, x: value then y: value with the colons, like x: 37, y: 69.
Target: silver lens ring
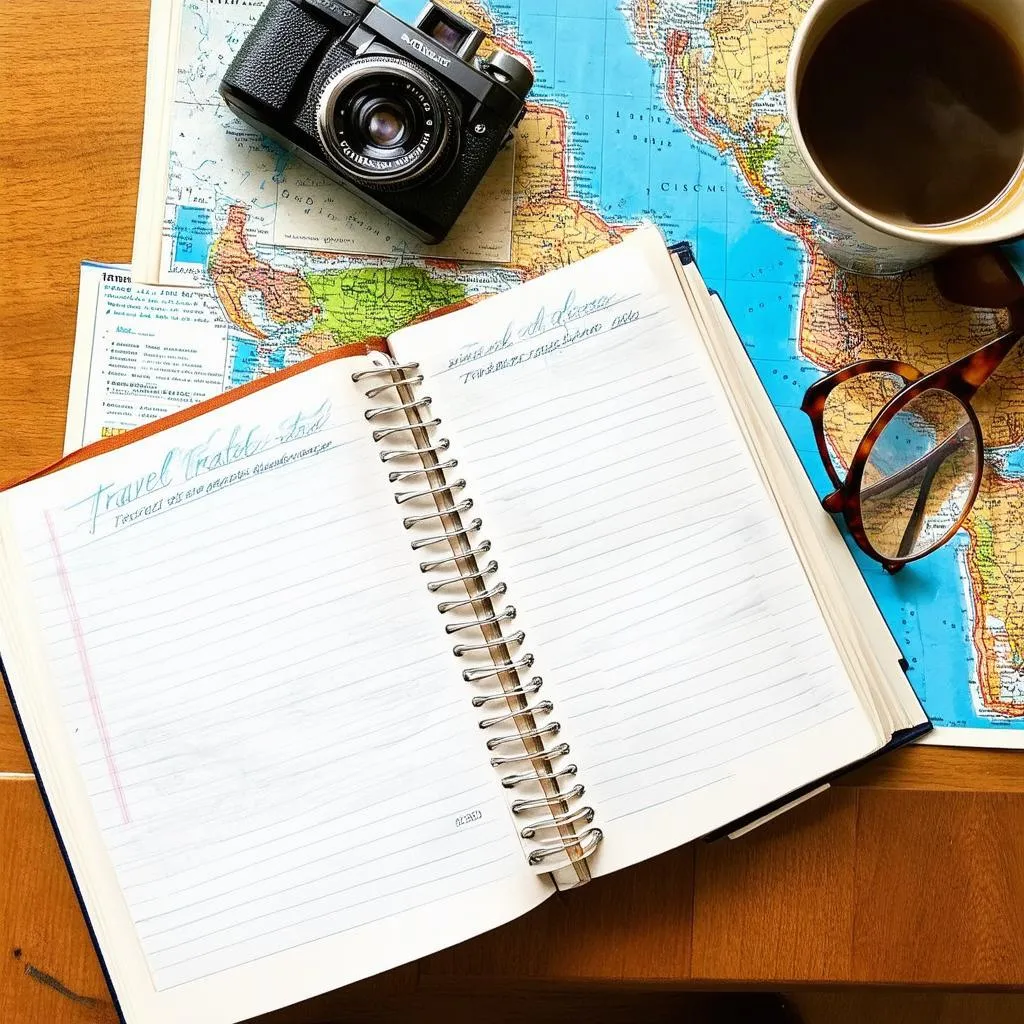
x: 436, y: 141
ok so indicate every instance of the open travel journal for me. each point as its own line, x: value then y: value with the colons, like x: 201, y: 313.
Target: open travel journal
x: 377, y: 654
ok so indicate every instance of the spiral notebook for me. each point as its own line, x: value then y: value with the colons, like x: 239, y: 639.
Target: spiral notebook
x: 377, y: 654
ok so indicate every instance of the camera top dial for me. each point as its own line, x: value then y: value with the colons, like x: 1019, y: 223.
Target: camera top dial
x: 508, y: 69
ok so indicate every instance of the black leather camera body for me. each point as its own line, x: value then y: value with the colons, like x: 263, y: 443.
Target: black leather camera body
x: 408, y: 117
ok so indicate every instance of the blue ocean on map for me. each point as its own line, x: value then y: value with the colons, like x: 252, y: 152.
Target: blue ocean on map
x: 245, y: 365
x: 244, y: 361
x: 588, y: 63
x: 193, y: 235
x: 1011, y: 464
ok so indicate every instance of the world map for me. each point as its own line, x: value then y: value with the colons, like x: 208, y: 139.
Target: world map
x: 664, y: 110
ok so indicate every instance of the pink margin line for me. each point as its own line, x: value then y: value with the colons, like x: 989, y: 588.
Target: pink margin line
x: 90, y: 681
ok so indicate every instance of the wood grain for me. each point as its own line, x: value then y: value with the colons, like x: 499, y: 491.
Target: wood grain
x: 42, y: 933
x: 41, y: 929
x: 12, y: 754
x: 72, y: 85
x: 884, y: 1006
x: 899, y: 887
x: 939, y: 893
x: 778, y: 905
x: 943, y: 769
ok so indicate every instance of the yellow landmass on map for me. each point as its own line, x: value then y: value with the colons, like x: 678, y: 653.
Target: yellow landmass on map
x: 751, y: 42
x: 550, y: 228
x: 846, y: 318
x: 716, y: 89
x: 236, y: 271
x: 474, y: 12
x: 996, y: 566
x: 477, y: 14
x: 644, y: 15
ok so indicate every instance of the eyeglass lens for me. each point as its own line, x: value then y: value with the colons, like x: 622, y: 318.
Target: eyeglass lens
x: 851, y: 408
x: 920, y: 476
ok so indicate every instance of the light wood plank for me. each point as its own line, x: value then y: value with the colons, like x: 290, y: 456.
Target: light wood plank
x: 48, y: 970
x: 12, y: 753
x: 939, y: 889
x: 71, y: 117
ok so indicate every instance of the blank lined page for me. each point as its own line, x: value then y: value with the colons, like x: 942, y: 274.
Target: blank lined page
x: 265, y: 712
x: 672, y: 622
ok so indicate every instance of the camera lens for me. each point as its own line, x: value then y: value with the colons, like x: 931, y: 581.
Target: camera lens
x: 386, y: 123
x: 386, y: 126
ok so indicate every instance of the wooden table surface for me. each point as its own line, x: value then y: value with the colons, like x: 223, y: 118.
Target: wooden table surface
x: 911, y: 873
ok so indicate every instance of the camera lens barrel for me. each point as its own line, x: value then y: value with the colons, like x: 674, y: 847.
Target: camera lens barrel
x: 387, y: 124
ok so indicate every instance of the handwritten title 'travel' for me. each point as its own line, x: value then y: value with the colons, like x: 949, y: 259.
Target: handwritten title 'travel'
x: 220, y: 450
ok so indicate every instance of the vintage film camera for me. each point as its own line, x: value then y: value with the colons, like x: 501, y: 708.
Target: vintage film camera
x: 406, y: 116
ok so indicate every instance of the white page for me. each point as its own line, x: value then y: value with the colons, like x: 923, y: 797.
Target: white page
x: 263, y: 709
x: 143, y: 352
x: 161, y: 69
x: 872, y: 657
x: 681, y: 641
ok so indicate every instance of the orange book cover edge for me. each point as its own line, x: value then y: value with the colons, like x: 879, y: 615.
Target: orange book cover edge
x: 109, y: 444
x: 349, y: 351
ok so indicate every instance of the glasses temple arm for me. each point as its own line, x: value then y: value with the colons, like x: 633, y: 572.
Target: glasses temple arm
x: 975, y: 369
x: 913, y: 530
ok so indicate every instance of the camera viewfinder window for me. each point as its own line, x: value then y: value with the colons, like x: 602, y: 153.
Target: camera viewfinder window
x: 450, y: 34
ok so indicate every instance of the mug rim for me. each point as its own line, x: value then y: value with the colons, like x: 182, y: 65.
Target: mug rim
x: 954, y: 233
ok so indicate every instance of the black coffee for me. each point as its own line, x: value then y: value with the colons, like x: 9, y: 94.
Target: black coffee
x: 914, y: 109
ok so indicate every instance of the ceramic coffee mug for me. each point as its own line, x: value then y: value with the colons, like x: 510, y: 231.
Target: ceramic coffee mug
x: 857, y: 239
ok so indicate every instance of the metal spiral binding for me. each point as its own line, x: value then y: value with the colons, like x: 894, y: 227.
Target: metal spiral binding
x: 557, y: 823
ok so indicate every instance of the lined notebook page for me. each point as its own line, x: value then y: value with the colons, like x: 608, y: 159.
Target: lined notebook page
x: 267, y: 719
x: 663, y: 598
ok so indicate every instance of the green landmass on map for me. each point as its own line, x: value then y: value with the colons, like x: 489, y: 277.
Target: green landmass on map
x: 374, y: 301
x: 761, y: 151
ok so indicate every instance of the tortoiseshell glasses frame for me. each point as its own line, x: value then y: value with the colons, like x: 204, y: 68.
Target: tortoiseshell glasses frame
x: 981, y: 278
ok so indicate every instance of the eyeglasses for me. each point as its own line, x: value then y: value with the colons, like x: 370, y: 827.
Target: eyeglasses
x: 905, y: 449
